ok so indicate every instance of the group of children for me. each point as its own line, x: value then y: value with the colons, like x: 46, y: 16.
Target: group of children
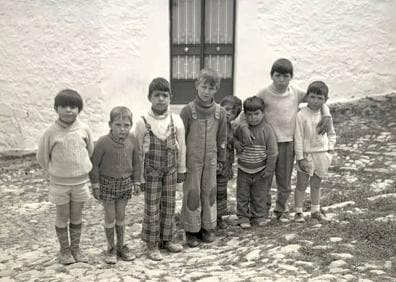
x: 196, y: 148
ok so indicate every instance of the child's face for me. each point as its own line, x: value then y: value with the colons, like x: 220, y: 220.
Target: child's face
x: 230, y: 113
x: 315, y: 101
x: 254, y: 117
x: 206, y: 91
x: 67, y: 114
x: 160, y: 101
x: 120, y: 127
x: 281, y: 81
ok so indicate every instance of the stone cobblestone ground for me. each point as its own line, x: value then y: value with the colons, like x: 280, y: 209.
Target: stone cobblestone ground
x: 358, y: 244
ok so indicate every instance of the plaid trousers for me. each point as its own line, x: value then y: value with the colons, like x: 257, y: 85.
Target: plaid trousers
x: 160, y: 188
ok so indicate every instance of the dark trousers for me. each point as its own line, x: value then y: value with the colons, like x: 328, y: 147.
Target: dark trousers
x: 283, y: 173
x: 252, y: 191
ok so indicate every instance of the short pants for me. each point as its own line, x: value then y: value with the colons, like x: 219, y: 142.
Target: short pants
x: 63, y: 194
x: 319, y: 163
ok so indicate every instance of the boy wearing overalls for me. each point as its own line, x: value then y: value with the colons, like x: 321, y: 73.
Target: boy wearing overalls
x: 206, y: 138
x: 160, y: 135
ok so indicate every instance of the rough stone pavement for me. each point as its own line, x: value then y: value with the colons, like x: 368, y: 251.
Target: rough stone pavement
x: 275, y: 252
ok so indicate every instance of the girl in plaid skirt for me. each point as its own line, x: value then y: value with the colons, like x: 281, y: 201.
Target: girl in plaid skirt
x: 161, y: 140
x: 114, y: 176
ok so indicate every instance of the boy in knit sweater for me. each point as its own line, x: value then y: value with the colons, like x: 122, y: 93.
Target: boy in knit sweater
x: 115, y: 173
x: 64, y: 152
x: 256, y: 165
x: 281, y: 105
x: 206, y: 138
x: 313, y: 151
x: 162, y: 148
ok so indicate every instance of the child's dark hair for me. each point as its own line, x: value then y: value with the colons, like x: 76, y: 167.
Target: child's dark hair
x: 68, y: 97
x: 159, y: 84
x: 282, y: 66
x: 234, y: 101
x: 318, y: 87
x: 237, y: 105
x: 122, y: 112
x: 209, y: 76
x: 253, y: 104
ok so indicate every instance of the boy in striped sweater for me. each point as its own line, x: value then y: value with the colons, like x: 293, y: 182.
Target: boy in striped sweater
x: 256, y: 165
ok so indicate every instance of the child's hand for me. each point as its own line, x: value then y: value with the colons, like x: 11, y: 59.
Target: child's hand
x: 238, y: 146
x: 227, y: 172
x: 248, y: 137
x: 136, y: 189
x: 323, y: 125
x: 305, y: 165
x: 220, y: 166
x: 95, y: 191
x: 181, y: 177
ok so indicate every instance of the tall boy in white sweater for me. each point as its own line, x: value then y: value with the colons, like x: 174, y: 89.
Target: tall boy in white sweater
x: 313, y: 151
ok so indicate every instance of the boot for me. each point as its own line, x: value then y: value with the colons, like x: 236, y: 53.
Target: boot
x: 123, y: 251
x: 192, y: 240
x: 111, y: 253
x: 75, y: 235
x: 153, y: 252
x: 171, y: 246
x: 208, y: 236
x: 65, y: 256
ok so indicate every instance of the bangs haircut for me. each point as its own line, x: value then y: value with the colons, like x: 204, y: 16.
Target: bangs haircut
x: 319, y: 88
x: 120, y: 112
x: 210, y: 77
x: 282, y: 66
x: 253, y: 104
x: 68, y: 97
x: 159, y: 84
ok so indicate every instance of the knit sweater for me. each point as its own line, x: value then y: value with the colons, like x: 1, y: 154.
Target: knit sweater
x: 262, y: 153
x: 116, y: 159
x: 205, y: 112
x: 281, y: 110
x: 160, y: 126
x: 64, y: 151
x: 306, y: 138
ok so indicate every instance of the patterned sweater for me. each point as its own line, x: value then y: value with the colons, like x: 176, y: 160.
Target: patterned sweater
x: 306, y: 138
x: 64, y: 151
x: 115, y: 159
x: 262, y: 153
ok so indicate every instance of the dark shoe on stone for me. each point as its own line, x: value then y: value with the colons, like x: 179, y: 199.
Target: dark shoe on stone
x: 65, y: 257
x: 78, y: 255
x: 153, y: 253
x: 208, y: 236
x: 192, y: 240
x: 171, y: 247
x: 124, y: 253
x: 111, y: 256
x: 221, y: 224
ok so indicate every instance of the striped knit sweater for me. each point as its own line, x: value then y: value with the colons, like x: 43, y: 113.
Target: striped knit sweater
x: 262, y: 153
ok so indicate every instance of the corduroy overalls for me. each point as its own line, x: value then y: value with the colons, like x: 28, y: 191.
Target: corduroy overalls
x: 199, y: 189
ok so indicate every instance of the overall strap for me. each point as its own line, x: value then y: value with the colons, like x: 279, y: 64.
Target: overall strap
x: 217, y: 111
x: 193, y: 110
x: 148, y: 127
